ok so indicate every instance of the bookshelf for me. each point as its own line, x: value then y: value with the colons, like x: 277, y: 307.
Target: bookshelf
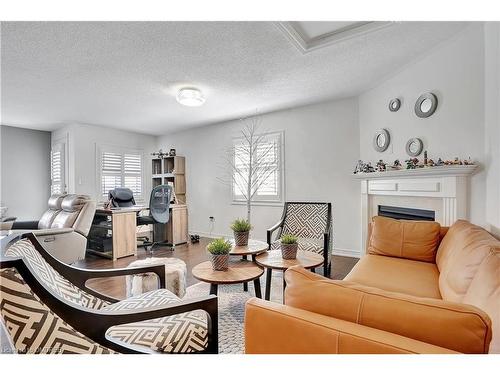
x: 171, y: 170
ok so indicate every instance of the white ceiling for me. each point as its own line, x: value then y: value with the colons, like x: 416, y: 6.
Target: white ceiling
x: 125, y: 74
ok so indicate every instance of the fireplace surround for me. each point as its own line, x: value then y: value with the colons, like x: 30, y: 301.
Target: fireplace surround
x: 438, y: 193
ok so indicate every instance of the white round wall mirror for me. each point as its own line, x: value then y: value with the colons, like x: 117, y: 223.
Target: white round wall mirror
x: 414, y: 147
x: 426, y: 105
x: 394, y: 105
x: 381, y: 140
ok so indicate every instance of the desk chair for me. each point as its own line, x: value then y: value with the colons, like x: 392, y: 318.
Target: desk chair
x: 124, y: 197
x: 159, y: 212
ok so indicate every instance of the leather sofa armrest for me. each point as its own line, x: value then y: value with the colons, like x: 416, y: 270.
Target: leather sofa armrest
x: 52, y: 231
x: 272, y: 328
x: 456, y: 326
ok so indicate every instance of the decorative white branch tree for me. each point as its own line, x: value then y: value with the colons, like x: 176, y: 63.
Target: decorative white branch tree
x: 249, y: 163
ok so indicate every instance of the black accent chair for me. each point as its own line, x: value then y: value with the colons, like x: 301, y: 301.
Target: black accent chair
x: 159, y: 213
x: 311, y: 222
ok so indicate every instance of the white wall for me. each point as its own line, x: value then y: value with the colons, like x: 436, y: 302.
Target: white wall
x: 83, y: 141
x: 25, y: 171
x: 321, y: 146
x: 492, y: 122
x: 454, y: 71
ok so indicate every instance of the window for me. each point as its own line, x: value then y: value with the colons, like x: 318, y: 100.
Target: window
x: 121, y: 168
x: 57, y: 180
x: 267, y: 170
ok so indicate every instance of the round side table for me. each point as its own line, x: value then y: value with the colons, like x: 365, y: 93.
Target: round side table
x: 238, y: 272
x: 253, y: 248
x: 272, y: 260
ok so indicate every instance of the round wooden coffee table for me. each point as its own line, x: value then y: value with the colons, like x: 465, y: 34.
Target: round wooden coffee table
x: 241, y: 271
x: 272, y: 260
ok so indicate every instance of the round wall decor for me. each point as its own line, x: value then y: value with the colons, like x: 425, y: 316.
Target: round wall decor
x: 414, y: 147
x: 394, y: 105
x: 426, y: 105
x: 381, y: 140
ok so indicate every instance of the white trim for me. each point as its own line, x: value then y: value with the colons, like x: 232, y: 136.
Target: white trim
x: 306, y: 45
x: 445, y: 170
x: 347, y: 253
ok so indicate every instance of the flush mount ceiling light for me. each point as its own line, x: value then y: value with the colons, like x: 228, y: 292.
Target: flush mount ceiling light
x: 191, y: 97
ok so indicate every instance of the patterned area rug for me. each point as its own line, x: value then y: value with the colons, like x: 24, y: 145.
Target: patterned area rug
x: 232, y: 300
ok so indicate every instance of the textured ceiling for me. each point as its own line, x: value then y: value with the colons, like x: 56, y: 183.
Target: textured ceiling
x: 125, y: 74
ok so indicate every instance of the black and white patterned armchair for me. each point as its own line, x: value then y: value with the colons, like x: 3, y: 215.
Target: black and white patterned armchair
x: 311, y: 222
x: 47, y: 307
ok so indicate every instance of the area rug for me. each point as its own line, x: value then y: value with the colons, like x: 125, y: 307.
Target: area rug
x: 232, y: 300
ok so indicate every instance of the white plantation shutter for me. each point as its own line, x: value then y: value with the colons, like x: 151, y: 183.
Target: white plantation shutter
x: 57, y: 183
x: 270, y: 153
x: 121, y: 168
x: 132, y: 168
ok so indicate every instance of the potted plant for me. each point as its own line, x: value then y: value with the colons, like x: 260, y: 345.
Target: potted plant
x: 289, y: 246
x: 219, y: 253
x: 241, y: 229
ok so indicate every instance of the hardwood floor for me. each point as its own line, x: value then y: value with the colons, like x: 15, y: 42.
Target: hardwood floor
x: 192, y: 254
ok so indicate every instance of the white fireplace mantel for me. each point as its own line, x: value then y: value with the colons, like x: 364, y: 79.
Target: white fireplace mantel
x: 443, y: 190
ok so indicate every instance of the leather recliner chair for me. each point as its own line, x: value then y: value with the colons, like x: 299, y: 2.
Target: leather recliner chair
x: 64, y: 227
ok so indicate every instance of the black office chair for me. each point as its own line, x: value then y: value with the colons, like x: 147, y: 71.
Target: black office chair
x: 159, y: 212
x: 124, y: 197
x: 121, y: 197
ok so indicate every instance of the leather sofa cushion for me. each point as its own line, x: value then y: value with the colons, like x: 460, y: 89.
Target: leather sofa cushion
x: 71, y: 206
x: 460, y: 253
x: 455, y: 326
x: 64, y: 219
x: 47, y: 219
x: 419, y: 279
x: 416, y: 240
x: 484, y: 292
x: 55, y: 201
x: 74, y: 202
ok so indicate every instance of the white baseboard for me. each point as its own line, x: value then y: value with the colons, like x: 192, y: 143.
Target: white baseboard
x: 346, y: 253
x: 336, y: 251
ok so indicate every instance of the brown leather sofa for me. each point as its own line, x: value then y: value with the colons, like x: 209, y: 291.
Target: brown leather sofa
x: 419, y: 289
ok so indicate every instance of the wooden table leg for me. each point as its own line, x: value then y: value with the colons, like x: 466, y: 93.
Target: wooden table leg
x: 256, y: 285
x: 269, y: 276
x: 213, y: 289
x: 245, y: 285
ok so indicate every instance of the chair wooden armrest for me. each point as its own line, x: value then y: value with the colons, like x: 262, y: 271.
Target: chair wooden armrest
x: 80, y: 276
x: 271, y: 230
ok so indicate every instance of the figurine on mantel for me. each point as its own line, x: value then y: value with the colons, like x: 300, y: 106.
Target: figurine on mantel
x: 363, y: 167
x: 412, y: 163
x: 396, y: 165
x: 381, y: 166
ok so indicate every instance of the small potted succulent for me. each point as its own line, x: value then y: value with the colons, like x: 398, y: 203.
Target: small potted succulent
x: 289, y: 246
x: 219, y: 254
x: 241, y: 229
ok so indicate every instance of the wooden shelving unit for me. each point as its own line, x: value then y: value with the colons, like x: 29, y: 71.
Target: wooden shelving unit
x: 171, y: 170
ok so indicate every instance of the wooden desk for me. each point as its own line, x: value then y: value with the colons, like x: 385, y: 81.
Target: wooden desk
x: 122, y: 225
